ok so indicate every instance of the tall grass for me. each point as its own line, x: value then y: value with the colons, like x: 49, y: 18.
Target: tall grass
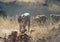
x: 10, y: 24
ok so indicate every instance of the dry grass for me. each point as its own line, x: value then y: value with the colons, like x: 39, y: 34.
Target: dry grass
x: 6, y: 26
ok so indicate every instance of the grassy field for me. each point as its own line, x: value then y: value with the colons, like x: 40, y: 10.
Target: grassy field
x: 8, y: 25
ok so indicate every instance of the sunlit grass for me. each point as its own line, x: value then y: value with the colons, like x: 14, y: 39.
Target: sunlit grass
x: 9, y: 24
x: 6, y: 25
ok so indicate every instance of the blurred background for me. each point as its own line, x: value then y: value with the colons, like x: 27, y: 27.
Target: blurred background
x: 34, y: 7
